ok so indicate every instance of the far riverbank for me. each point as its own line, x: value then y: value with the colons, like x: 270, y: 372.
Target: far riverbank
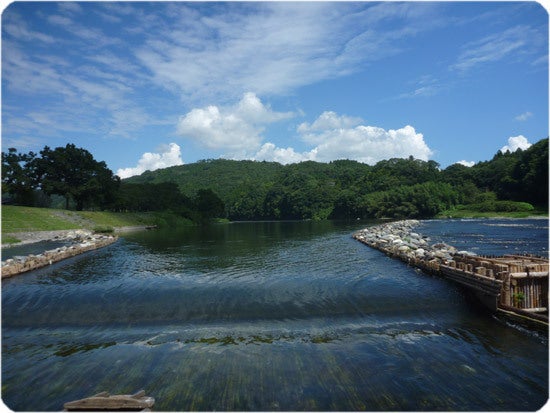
x: 31, y: 237
x: 27, y: 224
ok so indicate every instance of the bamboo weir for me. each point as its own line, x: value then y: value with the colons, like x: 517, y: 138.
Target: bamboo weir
x: 515, y: 286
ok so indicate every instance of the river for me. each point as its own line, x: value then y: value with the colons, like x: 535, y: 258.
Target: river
x: 270, y: 316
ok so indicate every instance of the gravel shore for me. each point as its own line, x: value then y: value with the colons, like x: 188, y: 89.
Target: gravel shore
x: 30, y: 237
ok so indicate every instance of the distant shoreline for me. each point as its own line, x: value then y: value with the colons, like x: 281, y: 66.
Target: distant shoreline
x: 31, y: 237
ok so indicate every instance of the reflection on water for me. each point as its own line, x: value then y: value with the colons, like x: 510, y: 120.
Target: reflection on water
x: 265, y: 316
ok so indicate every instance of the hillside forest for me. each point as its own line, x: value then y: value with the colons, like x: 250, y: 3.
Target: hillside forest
x: 251, y: 190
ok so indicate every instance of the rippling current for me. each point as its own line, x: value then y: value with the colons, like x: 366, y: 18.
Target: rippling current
x: 270, y: 316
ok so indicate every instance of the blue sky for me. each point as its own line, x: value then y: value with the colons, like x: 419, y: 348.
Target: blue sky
x: 148, y: 85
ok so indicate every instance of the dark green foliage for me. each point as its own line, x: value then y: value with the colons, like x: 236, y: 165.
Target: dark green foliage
x: 530, y: 175
x: 74, y: 174
x: 67, y: 171
x: 151, y: 197
x: 417, y: 201
x: 208, y: 205
x: 17, y: 181
x: 396, y: 171
x: 222, y: 176
x: 347, y: 189
x: 517, y: 176
x: 249, y: 190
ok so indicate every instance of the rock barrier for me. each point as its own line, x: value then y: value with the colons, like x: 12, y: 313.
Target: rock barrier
x: 397, y: 239
x: 81, y: 241
x: 514, y: 285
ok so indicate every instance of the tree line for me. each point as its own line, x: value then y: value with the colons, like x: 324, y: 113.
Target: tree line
x: 250, y: 190
x: 73, y: 175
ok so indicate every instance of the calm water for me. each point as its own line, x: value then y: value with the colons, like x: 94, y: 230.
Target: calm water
x: 269, y: 316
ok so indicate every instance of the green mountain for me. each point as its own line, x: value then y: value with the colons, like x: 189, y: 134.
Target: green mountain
x: 349, y: 189
x: 220, y: 175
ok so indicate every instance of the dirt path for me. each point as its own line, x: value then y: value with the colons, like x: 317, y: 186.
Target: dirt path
x: 75, y: 219
x: 29, y: 237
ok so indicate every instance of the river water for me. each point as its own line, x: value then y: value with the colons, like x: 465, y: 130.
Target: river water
x: 270, y: 316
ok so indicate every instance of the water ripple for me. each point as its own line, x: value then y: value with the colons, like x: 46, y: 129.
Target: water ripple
x: 264, y: 316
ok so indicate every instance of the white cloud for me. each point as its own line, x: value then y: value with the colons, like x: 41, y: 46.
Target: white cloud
x: 511, y: 43
x: 16, y: 27
x: 236, y: 129
x: 469, y: 164
x: 524, y: 116
x: 329, y: 120
x: 515, y: 143
x: 169, y: 155
x: 273, y: 48
x: 338, y: 139
x: 269, y: 152
x: 343, y: 137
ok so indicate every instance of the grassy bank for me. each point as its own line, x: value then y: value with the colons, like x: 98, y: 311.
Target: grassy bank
x: 24, y: 219
x: 467, y: 213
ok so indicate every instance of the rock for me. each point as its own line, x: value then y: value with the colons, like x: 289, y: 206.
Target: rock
x: 19, y: 264
x: 466, y: 253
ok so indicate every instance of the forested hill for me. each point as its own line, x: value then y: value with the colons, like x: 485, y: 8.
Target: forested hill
x: 221, y: 175
x: 349, y: 189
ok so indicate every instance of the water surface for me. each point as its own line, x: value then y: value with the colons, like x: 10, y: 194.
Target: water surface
x: 268, y: 316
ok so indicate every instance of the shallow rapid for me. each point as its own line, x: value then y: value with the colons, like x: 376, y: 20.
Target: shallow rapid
x: 269, y: 316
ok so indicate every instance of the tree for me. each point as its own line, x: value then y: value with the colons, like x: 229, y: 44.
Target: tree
x: 16, y: 177
x: 208, y: 204
x: 74, y: 174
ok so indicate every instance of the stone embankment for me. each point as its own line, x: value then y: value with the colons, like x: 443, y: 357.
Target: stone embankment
x: 515, y: 286
x: 398, y: 240
x: 80, y: 241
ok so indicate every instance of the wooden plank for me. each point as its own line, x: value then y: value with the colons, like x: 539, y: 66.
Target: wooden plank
x: 102, y: 401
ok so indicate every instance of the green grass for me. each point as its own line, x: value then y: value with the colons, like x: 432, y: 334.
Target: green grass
x: 21, y: 219
x: 8, y: 239
x: 118, y: 219
x: 466, y: 213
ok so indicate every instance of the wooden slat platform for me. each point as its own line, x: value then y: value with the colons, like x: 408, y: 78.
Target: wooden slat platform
x: 103, y: 401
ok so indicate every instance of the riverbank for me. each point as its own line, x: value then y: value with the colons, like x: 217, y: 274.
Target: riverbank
x: 23, y: 224
x: 78, y: 242
x: 31, y: 237
x: 458, y: 213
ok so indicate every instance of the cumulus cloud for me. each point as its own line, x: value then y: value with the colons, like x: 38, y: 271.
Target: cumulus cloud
x: 329, y: 120
x: 469, y: 164
x: 524, y: 116
x: 341, y: 137
x: 515, y: 143
x: 169, y: 155
x: 270, y: 152
x: 236, y: 129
